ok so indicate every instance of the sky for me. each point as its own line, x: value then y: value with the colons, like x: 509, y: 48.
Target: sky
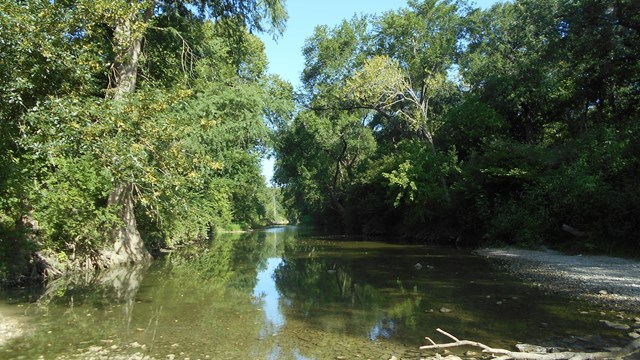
x: 285, y: 53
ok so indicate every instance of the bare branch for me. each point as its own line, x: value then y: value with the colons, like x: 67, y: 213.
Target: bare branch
x: 447, y: 334
x: 503, y: 354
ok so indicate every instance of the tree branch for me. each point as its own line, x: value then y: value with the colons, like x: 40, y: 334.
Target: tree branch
x: 504, y: 354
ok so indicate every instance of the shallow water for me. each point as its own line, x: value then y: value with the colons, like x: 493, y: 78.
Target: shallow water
x: 286, y: 293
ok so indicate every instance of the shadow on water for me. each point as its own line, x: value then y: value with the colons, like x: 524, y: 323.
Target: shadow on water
x: 283, y: 293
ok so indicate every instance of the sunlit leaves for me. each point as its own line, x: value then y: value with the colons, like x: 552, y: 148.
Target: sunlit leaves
x: 380, y: 83
x: 399, y: 179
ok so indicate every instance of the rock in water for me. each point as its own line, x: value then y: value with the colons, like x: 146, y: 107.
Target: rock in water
x: 614, y: 325
x: 528, y: 348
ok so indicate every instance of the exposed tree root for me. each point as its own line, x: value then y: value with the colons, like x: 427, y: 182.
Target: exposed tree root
x: 632, y: 349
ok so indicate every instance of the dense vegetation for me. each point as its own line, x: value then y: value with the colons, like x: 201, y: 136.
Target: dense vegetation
x: 124, y: 121
x: 441, y: 121
x: 128, y: 125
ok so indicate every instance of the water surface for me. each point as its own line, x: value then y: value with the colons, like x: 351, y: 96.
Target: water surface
x: 285, y: 293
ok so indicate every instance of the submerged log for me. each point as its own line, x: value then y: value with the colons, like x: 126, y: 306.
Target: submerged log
x: 629, y: 351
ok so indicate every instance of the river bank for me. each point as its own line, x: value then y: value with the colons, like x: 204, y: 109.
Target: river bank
x: 611, y: 282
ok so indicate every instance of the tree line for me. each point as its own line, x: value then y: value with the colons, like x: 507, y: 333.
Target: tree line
x: 129, y: 125
x: 441, y: 121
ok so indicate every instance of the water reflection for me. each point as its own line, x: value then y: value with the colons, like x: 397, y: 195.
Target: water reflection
x: 268, y: 296
x: 283, y: 294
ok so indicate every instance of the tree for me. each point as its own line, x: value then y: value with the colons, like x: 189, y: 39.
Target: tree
x: 503, y: 123
x: 318, y: 157
x: 117, y: 111
x: 130, y: 25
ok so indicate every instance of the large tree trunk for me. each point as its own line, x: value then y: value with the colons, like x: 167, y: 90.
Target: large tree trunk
x: 126, y: 244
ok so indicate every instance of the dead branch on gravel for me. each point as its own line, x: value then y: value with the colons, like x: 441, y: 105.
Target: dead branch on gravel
x: 503, y: 354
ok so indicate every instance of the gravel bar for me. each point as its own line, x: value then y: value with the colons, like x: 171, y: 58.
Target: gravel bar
x: 609, y: 281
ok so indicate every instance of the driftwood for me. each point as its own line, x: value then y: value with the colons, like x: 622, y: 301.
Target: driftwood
x: 503, y: 354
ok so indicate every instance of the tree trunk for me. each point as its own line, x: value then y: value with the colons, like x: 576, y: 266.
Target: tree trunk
x: 126, y: 244
x: 127, y: 47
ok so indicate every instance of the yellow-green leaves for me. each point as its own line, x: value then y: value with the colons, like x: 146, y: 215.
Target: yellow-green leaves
x: 400, y: 180
x: 379, y: 84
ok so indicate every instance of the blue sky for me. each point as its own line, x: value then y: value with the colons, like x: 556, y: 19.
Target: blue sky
x: 285, y: 54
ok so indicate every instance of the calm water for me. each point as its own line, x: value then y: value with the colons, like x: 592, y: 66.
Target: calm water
x: 286, y: 294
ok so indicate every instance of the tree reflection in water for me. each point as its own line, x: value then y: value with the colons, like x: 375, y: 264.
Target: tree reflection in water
x: 279, y: 294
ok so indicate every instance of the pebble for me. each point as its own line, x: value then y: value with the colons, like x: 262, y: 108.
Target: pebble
x: 603, y: 292
x: 634, y: 335
x: 445, y: 310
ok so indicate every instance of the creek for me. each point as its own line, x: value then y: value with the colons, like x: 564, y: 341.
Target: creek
x: 290, y: 293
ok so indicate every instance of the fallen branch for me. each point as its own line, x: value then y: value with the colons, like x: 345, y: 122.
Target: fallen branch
x: 503, y: 354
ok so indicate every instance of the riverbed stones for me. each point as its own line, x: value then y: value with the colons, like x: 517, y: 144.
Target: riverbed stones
x: 634, y: 335
x: 440, y: 357
x: 445, y: 310
x: 10, y: 328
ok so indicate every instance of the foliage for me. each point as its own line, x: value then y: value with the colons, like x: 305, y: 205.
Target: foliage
x: 71, y: 135
x: 496, y: 125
